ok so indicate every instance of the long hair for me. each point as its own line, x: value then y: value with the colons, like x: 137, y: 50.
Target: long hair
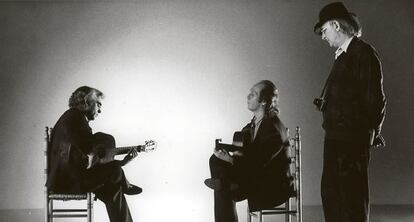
x: 81, y: 97
x: 269, y: 94
x: 350, y: 27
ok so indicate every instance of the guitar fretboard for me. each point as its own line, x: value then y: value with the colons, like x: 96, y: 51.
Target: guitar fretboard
x: 126, y: 149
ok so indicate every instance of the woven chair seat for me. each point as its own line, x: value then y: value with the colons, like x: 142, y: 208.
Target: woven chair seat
x: 58, y: 196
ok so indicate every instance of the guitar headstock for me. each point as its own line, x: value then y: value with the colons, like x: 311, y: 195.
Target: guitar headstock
x: 150, y: 145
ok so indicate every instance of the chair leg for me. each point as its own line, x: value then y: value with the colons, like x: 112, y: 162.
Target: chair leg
x: 89, y: 207
x: 299, y: 210
x: 260, y: 215
x: 249, y: 216
x: 288, y: 208
x: 50, y: 211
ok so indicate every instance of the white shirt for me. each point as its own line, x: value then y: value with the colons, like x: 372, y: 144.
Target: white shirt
x: 343, y: 47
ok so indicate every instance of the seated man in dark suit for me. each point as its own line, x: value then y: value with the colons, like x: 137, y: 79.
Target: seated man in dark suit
x: 260, y: 170
x: 69, y: 167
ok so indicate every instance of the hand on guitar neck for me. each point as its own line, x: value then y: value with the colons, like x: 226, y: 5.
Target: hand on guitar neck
x: 130, y: 156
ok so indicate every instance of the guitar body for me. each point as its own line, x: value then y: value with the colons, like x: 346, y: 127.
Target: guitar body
x: 237, y: 144
x: 104, y: 149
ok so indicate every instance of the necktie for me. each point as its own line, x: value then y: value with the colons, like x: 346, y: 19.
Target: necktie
x: 252, y: 129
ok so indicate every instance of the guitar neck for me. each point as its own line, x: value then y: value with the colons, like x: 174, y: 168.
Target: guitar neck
x: 126, y: 149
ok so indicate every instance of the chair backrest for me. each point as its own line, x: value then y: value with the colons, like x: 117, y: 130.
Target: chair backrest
x: 47, y: 144
x: 296, y: 170
x: 46, y: 172
x: 46, y: 152
x: 295, y: 153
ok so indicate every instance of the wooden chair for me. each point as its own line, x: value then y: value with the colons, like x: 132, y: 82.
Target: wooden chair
x: 286, y: 208
x: 50, y: 211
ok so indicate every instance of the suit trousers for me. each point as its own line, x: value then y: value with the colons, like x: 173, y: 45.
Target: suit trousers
x: 224, y: 199
x: 344, y: 186
x: 107, y: 181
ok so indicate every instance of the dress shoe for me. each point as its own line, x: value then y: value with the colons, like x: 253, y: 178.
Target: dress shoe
x: 220, y: 185
x: 132, y: 190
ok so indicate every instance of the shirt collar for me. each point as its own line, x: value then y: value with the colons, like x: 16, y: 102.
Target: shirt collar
x: 343, y: 47
x: 258, y: 119
x: 86, y: 118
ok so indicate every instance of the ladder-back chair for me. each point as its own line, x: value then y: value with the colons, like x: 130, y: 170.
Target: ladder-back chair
x: 50, y: 211
x: 296, y: 199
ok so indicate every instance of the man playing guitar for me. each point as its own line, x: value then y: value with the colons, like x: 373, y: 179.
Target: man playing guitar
x: 74, y: 154
x: 255, y: 166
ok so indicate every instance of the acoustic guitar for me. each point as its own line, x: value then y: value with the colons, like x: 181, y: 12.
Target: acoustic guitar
x: 105, y: 150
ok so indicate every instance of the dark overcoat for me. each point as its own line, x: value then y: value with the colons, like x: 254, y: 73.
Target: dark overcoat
x: 71, y: 141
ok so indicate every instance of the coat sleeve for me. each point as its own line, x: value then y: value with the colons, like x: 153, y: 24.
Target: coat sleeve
x: 373, y: 97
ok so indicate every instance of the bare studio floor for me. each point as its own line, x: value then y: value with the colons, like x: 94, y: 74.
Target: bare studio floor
x: 379, y: 213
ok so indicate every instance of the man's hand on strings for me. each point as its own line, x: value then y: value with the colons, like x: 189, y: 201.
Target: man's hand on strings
x: 130, y: 156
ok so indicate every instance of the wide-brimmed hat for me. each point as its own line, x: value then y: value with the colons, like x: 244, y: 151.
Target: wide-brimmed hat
x: 336, y: 10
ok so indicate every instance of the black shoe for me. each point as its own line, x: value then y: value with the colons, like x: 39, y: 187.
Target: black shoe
x: 220, y: 185
x: 132, y: 190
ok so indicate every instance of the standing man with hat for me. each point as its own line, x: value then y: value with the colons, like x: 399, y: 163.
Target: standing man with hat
x: 353, y: 107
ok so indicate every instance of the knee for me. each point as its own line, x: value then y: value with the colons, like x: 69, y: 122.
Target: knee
x: 115, y: 172
x: 215, y: 161
x: 212, y: 160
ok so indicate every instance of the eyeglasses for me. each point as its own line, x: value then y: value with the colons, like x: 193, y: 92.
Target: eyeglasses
x: 323, y: 30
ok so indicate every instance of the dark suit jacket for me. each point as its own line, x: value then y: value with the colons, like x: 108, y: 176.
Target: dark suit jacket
x: 71, y: 140
x: 354, y: 94
x: 266, y: 162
